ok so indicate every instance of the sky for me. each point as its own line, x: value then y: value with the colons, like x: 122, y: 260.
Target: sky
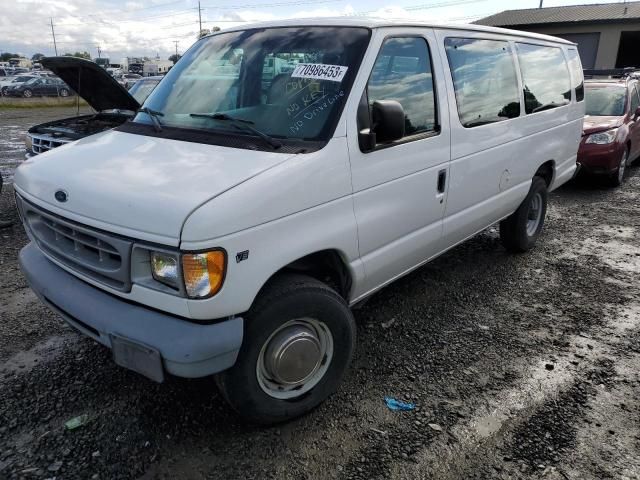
x: 121, y: 28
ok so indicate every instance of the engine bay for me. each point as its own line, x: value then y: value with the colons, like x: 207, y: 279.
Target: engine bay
x: 79, y: 127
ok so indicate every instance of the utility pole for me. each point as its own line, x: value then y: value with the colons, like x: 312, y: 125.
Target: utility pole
x: 99, y: 50
x: 199, y: 19
x: 53, y: 34
x: 176, y: 42
x: 540, y: 3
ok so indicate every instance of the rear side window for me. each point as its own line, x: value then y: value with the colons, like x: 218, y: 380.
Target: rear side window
x: 402, y: 72
x: 576, y: 73
x: 484, y: 80
x: 545, y: 77
x: 635, y: 101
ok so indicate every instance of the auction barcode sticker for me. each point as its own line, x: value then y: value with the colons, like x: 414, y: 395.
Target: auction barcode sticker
x: 320, y: 71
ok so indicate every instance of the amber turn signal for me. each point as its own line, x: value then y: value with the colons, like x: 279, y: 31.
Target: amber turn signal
x: 203, y: 273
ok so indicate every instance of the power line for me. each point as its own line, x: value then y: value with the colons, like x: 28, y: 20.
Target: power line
x: 250, y: 6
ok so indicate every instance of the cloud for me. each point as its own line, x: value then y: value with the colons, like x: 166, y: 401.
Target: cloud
x: 138, y: 28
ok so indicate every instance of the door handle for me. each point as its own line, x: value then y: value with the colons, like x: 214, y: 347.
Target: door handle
x: 442, y: 180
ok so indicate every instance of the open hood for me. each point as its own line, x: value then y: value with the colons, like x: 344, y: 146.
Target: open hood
x: 92, y: 83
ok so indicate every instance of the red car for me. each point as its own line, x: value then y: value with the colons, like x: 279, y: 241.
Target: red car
x: 611, y: 132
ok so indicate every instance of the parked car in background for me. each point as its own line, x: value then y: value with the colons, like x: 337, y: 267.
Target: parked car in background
x: 227, y: 229
x: 39, y: 87
x: 114, y: 72
x: 4, y: 72
x: 113, y: 104
x: 44, y: 73
x: 611, y: 135
x: 142, y: 88
x: 128, y: 79
x: 13, y: 81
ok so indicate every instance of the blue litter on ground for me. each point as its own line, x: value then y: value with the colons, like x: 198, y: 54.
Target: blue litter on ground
x: 394, y: 404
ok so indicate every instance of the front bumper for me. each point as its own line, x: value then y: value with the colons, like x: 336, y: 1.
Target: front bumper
x: 186, y: 349
x: 599, y: 159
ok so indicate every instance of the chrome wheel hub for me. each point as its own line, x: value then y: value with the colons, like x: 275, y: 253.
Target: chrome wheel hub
x: 294, y: 358
x: 535, y: 214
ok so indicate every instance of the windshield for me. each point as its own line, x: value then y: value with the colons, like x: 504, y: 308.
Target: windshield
x: 141, y: 89
x: 605, y: 101
x: 289, y: 83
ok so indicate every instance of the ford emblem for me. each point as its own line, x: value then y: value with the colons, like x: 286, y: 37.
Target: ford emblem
x: 61, y: 196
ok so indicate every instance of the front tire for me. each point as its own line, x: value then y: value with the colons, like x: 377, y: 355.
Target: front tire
x: 617, y: 177
x: 64, y: 92
x: 298, y: 341
x: 520, y: 231
x: 27, y: 93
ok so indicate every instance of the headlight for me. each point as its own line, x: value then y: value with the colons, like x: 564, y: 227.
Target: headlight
x: 203, y: 273
x: 164, y: 268
x: 199, y: 275
x: 603, y: 138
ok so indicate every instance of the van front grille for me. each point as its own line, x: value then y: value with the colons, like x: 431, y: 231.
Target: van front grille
x: 101, y: 256
x: 40, y: 144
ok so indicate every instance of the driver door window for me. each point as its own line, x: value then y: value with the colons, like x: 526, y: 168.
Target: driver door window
x: 403, y: 73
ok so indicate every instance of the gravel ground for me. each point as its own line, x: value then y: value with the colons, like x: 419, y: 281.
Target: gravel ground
x: 521, y: 366
x: 13, y: 124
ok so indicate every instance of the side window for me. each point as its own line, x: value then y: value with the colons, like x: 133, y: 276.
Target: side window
x: 545, y: 77
x: 575, y: 66
x: 402, y: 72
x: 484, y: 80
x: 635, y: 101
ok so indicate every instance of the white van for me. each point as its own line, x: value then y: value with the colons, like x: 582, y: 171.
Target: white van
x: 229, y: 227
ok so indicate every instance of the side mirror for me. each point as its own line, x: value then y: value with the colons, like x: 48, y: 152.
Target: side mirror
x: 388, y: 120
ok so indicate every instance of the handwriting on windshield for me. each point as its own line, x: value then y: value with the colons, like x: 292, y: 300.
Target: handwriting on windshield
x: 313, y: 110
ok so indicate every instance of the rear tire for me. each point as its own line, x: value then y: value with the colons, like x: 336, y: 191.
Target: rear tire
x: 64, y: 92
x: 520, y: 231
x: 281, y: 371
x: 27, y: 93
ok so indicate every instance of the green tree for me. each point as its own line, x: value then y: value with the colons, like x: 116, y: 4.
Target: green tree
x: 36, y: 57
x: 85, y: 55
x: 174, y: 58
x: 6, y: 56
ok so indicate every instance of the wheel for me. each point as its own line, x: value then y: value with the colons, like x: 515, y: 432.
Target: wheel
x: 64, y: 92
x: 520, y: 231
x: 27, y: 93
x: 298, y: 341
x: 4, y: 91
x: 617, y: 177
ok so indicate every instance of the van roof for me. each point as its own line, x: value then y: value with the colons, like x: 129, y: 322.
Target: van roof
x: 379, y: 22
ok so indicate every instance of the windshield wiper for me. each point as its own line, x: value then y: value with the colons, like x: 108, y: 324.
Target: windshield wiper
x: 548, y: 106
x: 240, y: 124
x: 153, y: 115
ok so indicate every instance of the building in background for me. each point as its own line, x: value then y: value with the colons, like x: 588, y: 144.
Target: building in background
x: 156, y: 67
x: 608, y: 35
